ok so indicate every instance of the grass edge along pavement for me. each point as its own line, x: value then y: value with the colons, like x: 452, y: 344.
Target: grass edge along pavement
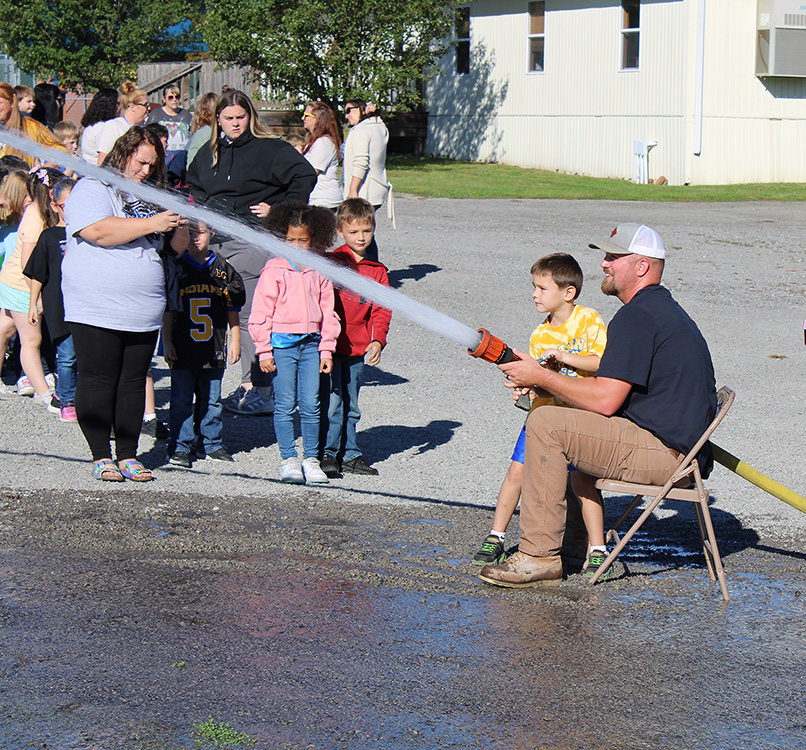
x: 446, y: 178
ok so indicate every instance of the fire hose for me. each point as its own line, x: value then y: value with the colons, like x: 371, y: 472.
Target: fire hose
x: 736, y: 465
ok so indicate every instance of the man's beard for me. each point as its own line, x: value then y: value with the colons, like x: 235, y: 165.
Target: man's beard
x: 609, y: 287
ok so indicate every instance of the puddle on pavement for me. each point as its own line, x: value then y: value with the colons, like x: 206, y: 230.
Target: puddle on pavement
x: 386, y: 641
x: 298, y: 653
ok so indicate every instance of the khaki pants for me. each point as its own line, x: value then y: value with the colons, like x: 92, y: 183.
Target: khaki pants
x: 609, y: 447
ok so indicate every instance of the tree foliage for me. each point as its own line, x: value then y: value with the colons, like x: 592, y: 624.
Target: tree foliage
x: 91, y: 43
x: 333, y: 50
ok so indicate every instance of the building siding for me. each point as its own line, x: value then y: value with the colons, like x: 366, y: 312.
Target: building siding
x: 583, y: 113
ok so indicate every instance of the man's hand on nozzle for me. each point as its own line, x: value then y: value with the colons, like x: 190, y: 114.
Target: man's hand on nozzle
x: 517, y: 392
x: 523, y: 372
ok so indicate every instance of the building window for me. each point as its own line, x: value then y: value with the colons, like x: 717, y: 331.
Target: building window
x: 462, y: 41
x: 537, y: 37
x: 630, y: 33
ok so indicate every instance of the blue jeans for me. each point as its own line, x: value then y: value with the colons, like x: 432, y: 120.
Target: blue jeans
x: 296, y: 383
x: 206, y: 382
x: 343, y: 412
x: 66, y: 371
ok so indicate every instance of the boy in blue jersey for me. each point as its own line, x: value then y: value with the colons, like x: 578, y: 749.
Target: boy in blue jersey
x: 195, y: 343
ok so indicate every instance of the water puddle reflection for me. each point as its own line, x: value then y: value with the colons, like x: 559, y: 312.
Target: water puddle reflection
x: 302, y: 652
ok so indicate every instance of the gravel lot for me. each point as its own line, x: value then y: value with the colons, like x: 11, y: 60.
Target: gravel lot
x: 347, y: 615
x: 439, y: 425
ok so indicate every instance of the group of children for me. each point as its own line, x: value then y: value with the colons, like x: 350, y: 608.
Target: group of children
x: 314, y: 338
x: 303, y: 330
x: 306, y: 331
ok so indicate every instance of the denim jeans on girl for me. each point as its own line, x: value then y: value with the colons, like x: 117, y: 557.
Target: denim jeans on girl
x: 205, y: 383
x: 343, y: 412
x: 66, y: 371
x: 296, y: 383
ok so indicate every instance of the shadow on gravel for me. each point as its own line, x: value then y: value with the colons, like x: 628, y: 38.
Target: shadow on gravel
x: 376, y: 376
x: 415, y: 272
x: 387, y: 440
x: 674, y: 540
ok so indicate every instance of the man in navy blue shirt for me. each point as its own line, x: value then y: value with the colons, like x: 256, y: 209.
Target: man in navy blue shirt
x: 652, y: 398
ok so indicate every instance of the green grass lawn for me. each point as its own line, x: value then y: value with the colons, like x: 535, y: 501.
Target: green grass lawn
x: 443, y: 178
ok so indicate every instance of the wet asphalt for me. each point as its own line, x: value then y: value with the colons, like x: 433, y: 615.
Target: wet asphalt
x: 349, y: 615
x: 317, y: 626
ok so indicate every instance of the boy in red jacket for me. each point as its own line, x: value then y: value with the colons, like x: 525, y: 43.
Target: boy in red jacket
x: 364, y: 326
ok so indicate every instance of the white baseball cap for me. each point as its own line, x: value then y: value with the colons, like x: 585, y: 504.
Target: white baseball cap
x: 630, y: 238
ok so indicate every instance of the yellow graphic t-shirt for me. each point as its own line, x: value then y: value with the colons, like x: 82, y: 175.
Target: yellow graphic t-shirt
x: 583, y: 333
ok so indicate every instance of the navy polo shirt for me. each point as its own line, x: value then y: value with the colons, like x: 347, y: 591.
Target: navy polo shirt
x: 654, y: 344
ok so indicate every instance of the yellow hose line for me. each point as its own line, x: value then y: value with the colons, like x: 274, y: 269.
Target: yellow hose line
x: 775, y: 489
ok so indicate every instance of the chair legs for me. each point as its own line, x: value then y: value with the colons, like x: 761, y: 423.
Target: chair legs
x: 677, y: 487
x: 710, y: 548
x: 626, y: 538
x: 709, y: 545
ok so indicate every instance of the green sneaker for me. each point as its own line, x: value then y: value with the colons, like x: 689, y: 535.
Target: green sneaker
x: 595, y: 561
x: 492, y: 552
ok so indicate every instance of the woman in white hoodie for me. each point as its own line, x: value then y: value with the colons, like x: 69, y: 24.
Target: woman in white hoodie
x: 365, y: 160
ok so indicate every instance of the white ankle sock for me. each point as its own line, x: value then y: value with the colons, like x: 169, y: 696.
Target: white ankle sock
x: 499, y: 534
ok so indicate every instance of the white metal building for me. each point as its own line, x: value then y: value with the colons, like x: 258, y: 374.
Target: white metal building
x: 571, y: 85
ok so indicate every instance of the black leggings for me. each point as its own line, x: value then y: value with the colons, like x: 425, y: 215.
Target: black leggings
x: 110, y: 392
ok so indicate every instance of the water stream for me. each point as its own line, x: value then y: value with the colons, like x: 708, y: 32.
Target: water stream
x: 417, y: 312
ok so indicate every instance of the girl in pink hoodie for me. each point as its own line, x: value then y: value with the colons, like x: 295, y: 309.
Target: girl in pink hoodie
x: 294, y: 328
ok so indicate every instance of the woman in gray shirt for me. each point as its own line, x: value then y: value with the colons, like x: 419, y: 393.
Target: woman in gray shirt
x: 114, y: 296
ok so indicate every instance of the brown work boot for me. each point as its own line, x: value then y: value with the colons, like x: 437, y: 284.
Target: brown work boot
x: 520, y: 571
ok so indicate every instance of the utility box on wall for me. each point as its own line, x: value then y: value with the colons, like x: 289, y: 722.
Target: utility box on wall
x: 781, y: 40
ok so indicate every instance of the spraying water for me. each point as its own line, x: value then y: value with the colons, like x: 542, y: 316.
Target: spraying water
x: 425, y: 316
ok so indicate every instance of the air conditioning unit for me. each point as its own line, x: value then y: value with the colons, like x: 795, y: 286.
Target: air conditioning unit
x: 781, y: 40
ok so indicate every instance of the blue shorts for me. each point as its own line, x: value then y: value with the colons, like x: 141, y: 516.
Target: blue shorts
x: 519, y: 452
x: 13, y: 299
x: 520, y: 447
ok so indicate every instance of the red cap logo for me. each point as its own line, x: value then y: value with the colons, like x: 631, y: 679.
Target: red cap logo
x: 614, y: 232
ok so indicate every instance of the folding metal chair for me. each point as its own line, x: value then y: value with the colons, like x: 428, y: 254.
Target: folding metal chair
x: 698, y: 494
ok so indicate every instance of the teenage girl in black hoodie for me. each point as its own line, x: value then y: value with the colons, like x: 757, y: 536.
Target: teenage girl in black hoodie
x: 244, y: 171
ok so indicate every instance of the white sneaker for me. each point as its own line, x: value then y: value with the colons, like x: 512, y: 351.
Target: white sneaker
x: 313, y: 472
x: 25, y: 387
x: 291, y: 471
x: 6, y: 392
x: 43, y: 400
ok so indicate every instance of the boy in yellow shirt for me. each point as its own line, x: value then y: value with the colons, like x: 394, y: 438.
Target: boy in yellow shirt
x: 572, y: 340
